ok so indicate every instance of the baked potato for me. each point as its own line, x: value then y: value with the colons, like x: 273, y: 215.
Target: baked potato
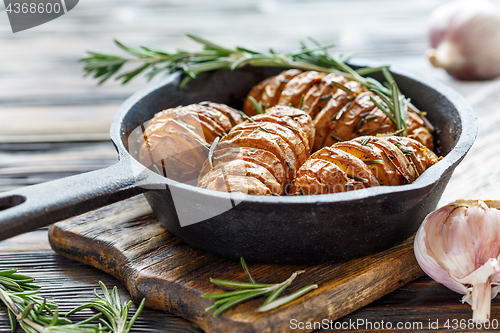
x: 362, y: 162
x: 261, y: 155
x: 341, y: 109
x: 176, y: 140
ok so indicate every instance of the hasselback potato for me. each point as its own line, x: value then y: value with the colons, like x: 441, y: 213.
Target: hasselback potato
x: 362, y: 162
x: 176, y: 140
x: 261, y: 155
x: 340, y: 108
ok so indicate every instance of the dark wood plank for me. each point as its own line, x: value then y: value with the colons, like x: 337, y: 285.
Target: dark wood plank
x: 126, y: 241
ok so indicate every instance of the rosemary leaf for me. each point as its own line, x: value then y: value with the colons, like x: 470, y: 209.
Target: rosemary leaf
x: 359, y: 179
x: 383, y: 109
x: 211, y: 152
x: 234, y: 284
x: 336, y: 138
x: 276, y: 293
x: 247, y: 271
x: 373, y: 162
x: 397, y: 110
x: 157, y: 170
x: 236, y: 301
x: 256, y: 105
x: 343, y: 87
x: 286, y: 299
x: 230, y: 293
x: 243, y: 115
x: 301, y: 103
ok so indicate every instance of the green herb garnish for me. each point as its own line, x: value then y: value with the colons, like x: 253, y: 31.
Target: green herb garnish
x: 211, y: 152
x: 157, y: 170
x: 359, y: 179
x: 216, y: 57
x: 249, y: 290
x: 373, y: 162
x: 336, y: 138
x: 256, y: 105
x: 115, y: 313
x: 36, y: 314
x: 301, y: 103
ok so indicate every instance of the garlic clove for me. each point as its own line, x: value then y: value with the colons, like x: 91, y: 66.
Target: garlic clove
x: 458, y: 245
x: 465, y: 39
x: 432, y: 268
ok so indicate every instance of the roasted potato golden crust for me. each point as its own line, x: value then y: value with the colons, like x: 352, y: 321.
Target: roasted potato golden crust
x: 267, y: 148
x: 341, y: 109
x: 176, y: 139
x: 363, y: 162
x: 227, y: 153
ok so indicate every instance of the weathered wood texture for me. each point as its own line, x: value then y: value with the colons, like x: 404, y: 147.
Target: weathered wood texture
x: 54, y: 123
x: 126, y: 241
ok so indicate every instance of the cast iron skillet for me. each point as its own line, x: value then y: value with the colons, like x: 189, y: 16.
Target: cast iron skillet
x: 303, y: 229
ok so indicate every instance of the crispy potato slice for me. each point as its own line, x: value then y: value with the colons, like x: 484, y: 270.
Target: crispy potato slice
x: 287, y: 122
x: 303, y: 119
x: 318, y: 176
x: 268, y: 141
x: 238, y: 184
x: 298, y: 86
x: 213, y: 122
x: 273, y: 89
x: 318, y: 89
x: 378, y: 163
x: 232, y: 114
x: 256, y: 93
x: 373, y: 123
x: 395, y: 156
x: 420, y: 156
x: 422, y: 135
x: 325, y: 93
x: 293, y: 140
x: 243, y: 168
x: 343, y: 127
x: 325, y: 120
x: 225, y: 153
x: 181, y: 135
x: 354, y: 167
x: 181, y: 151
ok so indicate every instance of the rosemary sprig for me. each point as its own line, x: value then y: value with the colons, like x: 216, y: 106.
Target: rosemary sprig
x: 114, y: 311
x: 249, y: 290
x: 38, y: 315
x: 33, y: 313
x: 215, y: 57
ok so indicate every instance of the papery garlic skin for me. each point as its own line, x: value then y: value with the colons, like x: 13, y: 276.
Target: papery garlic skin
x: 465, y: 39
x: 458, y: 245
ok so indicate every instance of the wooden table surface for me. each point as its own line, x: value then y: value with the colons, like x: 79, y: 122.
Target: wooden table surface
x: 55, y: 123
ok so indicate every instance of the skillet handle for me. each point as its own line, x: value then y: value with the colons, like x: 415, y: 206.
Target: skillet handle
x: 31, y: 207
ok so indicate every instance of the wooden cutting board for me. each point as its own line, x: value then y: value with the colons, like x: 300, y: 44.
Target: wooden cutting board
x: 126, y: 241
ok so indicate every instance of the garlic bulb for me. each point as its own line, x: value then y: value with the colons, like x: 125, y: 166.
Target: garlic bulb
x: 458, y: 245
x: 465, y: 39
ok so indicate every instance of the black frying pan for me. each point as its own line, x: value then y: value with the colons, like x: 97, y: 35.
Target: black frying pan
x: 302, y: 229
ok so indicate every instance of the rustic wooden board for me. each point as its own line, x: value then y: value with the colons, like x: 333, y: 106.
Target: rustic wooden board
x: 126, y: 241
